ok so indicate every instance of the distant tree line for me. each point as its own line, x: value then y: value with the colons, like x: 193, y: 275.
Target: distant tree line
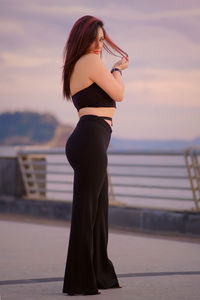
x: 35, y: 127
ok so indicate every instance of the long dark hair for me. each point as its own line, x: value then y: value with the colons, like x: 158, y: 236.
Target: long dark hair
x: 82, y: 35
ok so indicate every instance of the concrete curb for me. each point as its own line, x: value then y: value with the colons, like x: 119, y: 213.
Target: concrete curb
x: 126, y: 218
x: 155, y: 220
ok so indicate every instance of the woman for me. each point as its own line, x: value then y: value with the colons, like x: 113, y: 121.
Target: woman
x: 94, y: 91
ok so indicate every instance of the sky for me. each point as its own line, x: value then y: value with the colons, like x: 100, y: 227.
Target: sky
x: 162, y: 39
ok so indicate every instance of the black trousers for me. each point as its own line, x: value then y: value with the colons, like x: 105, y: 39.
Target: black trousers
x: 88, y: 267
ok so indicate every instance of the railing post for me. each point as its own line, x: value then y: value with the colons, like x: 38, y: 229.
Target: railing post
x: 196, y: 167
x: 194, y: 179
x: 110, y: 189
x: 30, y: 179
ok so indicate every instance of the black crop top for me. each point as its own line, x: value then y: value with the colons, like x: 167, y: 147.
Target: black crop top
x: 92, y: 96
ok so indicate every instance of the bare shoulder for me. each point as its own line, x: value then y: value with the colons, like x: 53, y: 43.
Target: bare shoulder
x: 89, y: 59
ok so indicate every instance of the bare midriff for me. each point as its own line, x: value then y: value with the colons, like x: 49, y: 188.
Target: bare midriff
x: 98, y: 111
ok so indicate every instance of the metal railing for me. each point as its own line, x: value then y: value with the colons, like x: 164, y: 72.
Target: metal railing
x: 172, y: 175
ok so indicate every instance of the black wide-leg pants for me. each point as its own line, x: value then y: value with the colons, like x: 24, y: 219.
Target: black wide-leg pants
x: 88, y: 267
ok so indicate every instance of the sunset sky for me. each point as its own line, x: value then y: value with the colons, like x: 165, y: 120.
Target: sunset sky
x: 162, y: 82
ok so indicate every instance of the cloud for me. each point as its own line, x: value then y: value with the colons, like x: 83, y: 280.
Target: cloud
x: 11, y: 59
x: 9, y: 27
x: 58, y: 10
x: 165, y: 87
x: 128, y: 13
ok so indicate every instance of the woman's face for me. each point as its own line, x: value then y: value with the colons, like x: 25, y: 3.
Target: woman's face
x: 96, y: 46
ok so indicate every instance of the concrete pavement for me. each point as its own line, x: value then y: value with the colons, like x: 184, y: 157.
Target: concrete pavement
x: 33, y: 255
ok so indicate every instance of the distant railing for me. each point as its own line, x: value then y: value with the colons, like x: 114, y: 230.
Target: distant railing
x: 47, y: 172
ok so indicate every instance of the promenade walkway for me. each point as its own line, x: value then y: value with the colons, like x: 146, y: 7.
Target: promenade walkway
x: 33, y: 254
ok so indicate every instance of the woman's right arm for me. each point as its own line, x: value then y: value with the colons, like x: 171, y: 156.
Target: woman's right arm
x: 111, y: 83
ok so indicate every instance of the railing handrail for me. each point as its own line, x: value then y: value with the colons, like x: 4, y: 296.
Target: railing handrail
x: 172, y: 152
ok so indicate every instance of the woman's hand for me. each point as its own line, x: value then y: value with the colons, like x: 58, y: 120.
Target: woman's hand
x: 122, y: 64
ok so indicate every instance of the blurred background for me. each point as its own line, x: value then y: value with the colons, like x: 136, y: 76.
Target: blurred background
x: 162, y: 97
